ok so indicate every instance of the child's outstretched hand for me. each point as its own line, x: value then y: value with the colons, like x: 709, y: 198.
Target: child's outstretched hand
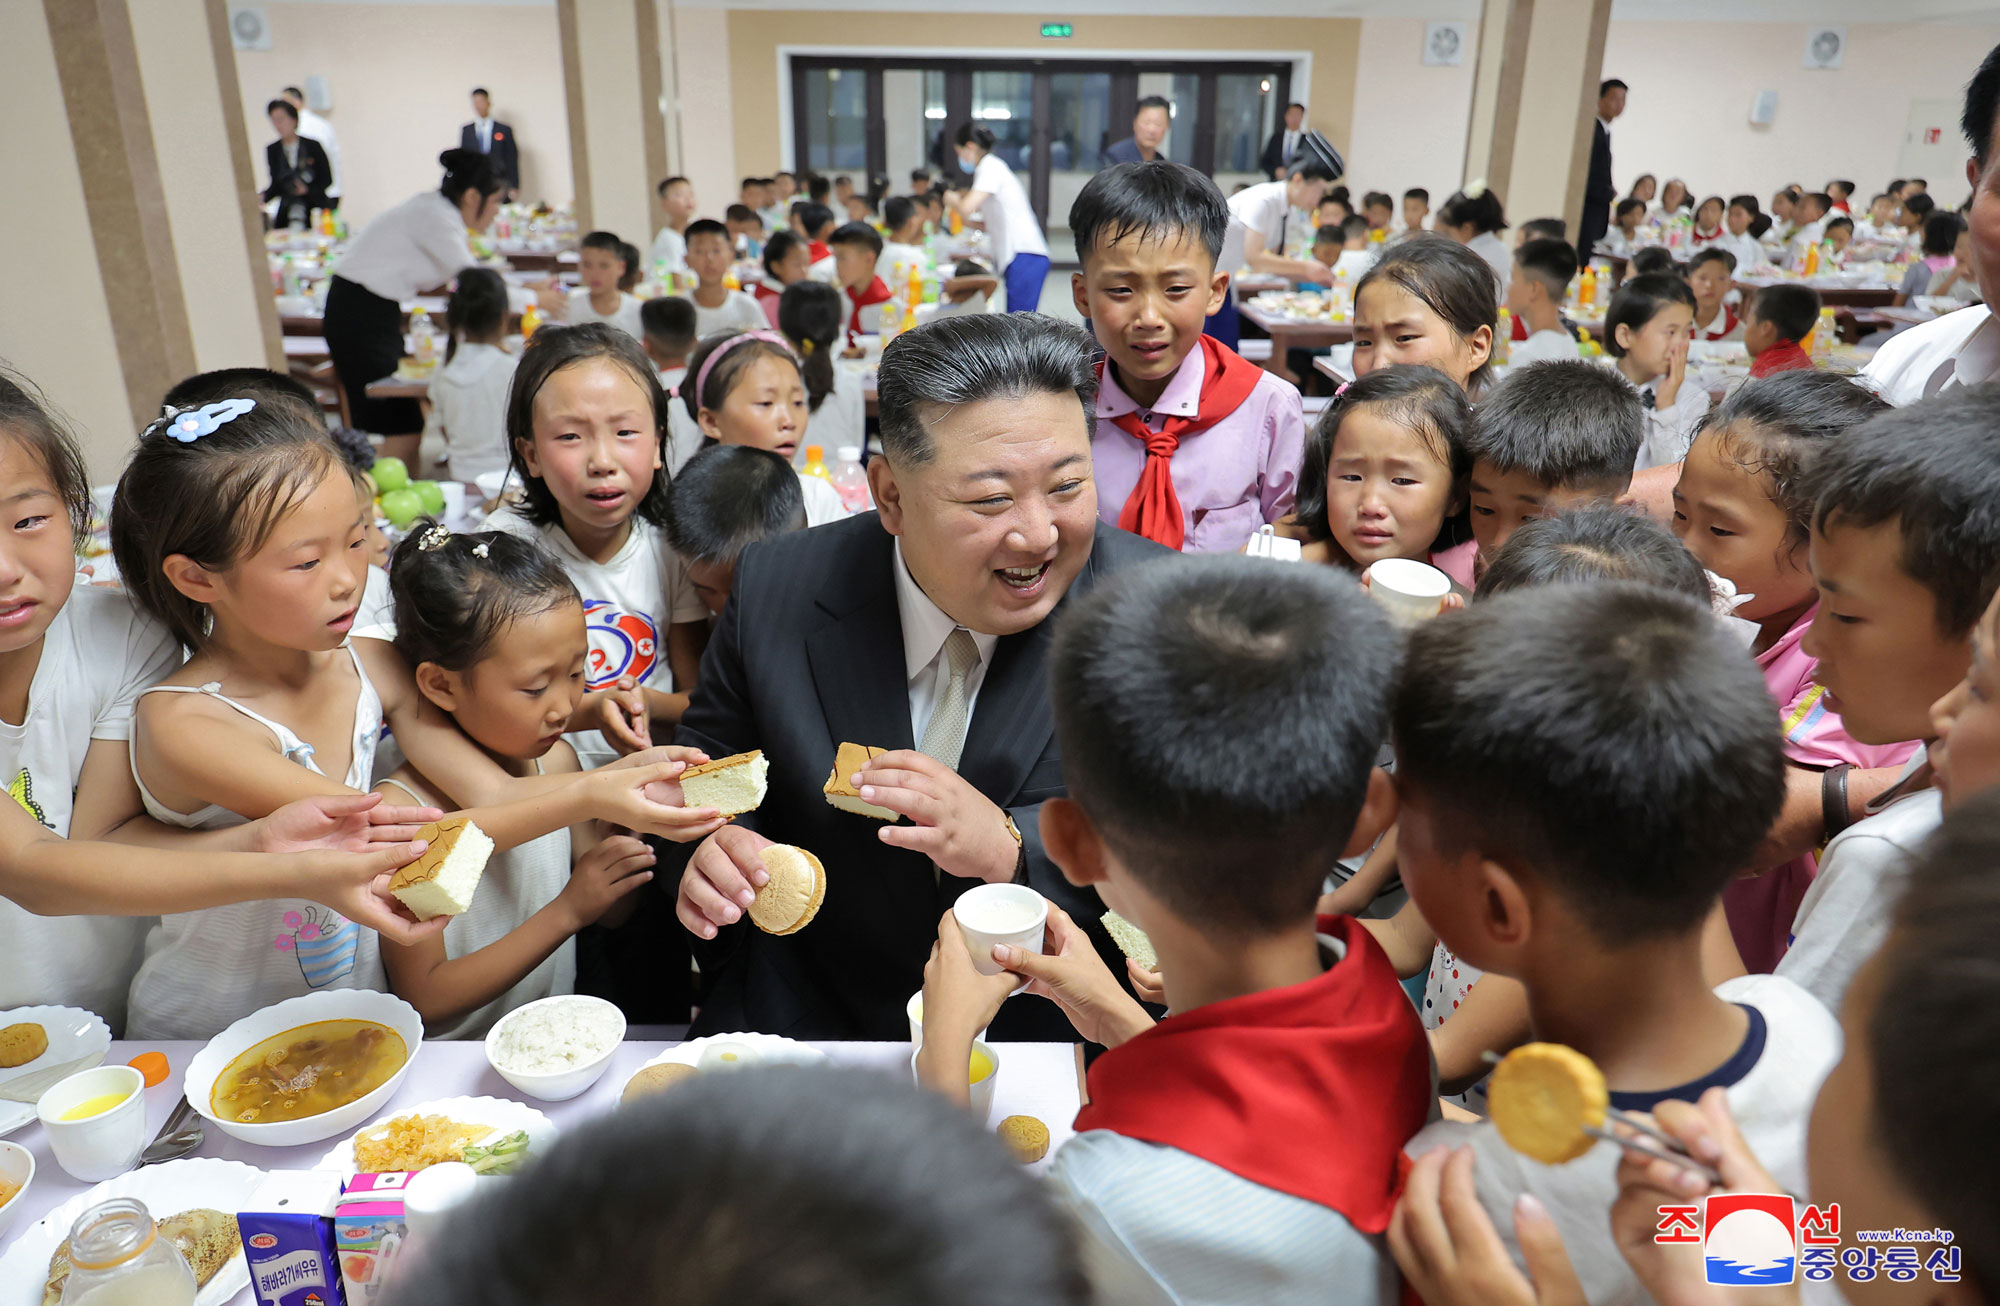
x: 647, y: 800
x: 1450, y: 1253
x: 355, y: 823
x: 958, y: 1003
x: 1072, y: 975
x: 619, y: 712
x: 603, y: 877
x: 357, y: 886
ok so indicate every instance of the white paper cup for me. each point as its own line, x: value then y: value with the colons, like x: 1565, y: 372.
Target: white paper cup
x: 106, y: 1144
x: 454, y: 502
x: 991, y: 914
x: 981, y: 1089
x: 1410, y: 590
x: 914, y: 1008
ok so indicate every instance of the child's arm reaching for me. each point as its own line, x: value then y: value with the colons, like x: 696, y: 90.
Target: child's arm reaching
x: 1801, y: 824
x: 1362, y: 888
x: 1407, y: 937
x: 1491, y: 1017
x: 958, y: 1003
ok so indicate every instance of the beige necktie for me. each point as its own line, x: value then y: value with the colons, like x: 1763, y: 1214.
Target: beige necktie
x: 944, y: 737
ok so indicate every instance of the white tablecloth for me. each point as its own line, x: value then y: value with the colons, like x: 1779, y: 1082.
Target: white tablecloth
x: 1043, y: 1080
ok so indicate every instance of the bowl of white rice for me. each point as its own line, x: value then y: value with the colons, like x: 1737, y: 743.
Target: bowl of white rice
x: 554, y: 1049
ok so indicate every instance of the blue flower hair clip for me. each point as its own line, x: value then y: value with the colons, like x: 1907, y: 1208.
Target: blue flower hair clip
x: 190, y: 424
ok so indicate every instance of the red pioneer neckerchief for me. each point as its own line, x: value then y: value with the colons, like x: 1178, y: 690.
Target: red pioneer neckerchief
x: 876, y: 293
x: 1310, y: 1090
x: 1154, y: 510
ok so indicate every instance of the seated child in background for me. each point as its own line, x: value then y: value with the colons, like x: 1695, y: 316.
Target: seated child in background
x: 1776, y: 319
x: 1960, y: 282
x: 727, y: 498
x: 1332, y: 209
x: 1739, y: 236
x: 1840, y: 192
x: 859, y: 209
x: 903, y: 250
x: 843, y: 189
x: 1385, y: 472
x: 670, y: 338
x: 746, y: 231
x: 1839, y: 238
x: 786, y: 263
x: 819, y: 188
x: 1939, y: 244
x: 1550, y: 746
x: 1622, y: 241
x: 1879, y: 223
x: 931, y: 205
x: 813, y: 318
x: 1905, y: 549
x: 1379, y: 210
x: 1328, y: 242
x: 1416, y: 209
x: 1711, y: 274
x: 678, y: 202
x: 920, y: 182
x: 1551, y: 436
x: 750, y: 389
x: 1708, y: 219
x: 1646, y: 331
x: 602, y: 264
x: 1195, y: 447
x: 1250, y: 1137
x: 815, y: 223
x: 1654, y: 260
x: 716, y: 306
x: 1542, y: 272
x: 1355, y: 256
x: 856, y: 249
x: 469, y: 393
x: 968, y: 289
x: 1428, y: 300
x: 1539, y: 229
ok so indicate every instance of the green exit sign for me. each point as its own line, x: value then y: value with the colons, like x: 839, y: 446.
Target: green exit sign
x: 1056, y: 31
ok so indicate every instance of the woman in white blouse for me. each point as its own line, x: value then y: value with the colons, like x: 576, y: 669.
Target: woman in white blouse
x: 1020, y: 253
x: 419, y: 244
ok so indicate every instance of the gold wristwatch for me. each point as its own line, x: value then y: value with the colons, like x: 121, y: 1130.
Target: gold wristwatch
x: 1021, y: 848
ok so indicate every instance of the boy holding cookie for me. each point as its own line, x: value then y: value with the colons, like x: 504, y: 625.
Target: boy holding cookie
x: 1252, y: 1137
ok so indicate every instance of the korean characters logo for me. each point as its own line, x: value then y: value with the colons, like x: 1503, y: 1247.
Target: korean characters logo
x: 1762, y: 1239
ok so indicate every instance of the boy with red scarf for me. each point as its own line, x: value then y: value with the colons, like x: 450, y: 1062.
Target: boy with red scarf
x: 856, y: 247
x: 1777, y: 319
x: 1195, y: 446
x: 1219, y: 722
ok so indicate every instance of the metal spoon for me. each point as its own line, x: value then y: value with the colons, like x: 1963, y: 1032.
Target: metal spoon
x: 176, y: 1138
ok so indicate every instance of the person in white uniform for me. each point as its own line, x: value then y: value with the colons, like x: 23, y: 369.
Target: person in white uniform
x: 1019, y: 249
x: 1261, y: 221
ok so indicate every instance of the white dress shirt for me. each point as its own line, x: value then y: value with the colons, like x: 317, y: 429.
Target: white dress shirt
x: 1291, y: 147
x: 1961, y: 348
x: 925, y: 630
x: 483, y: 127
x: 416, y: 245
x: 311, y: 124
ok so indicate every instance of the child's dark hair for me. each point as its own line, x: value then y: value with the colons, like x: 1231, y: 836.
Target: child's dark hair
x: 26, y: 416
x: 630, y: 253
x: 550, y: 350
x: 727, y: 498
x: 1654, y: 260
x: 1628, y: 205
x: 818, y: 187
x: 215, y: 498
x: 1482, y: 212
x: 456, y: 593
x: 1638, y: 302
x: 1551, y: 262
x: 858, y: 233
x: 705, y: 227
x: 1608, y: 738
x: 781, y: 1185
x: 669, y: 323
x: 1933, y: 470
x: 477, y: 309
x: 1418, y: 397
x: 1219, y: 722
x: 1748, y: 203
x: 1778, y: 427
x: 1593, y: 542
x: 1941, y: 233
x: 1642, y: 177
x: 1354, y: 228
x: 1836, y: 222
x: 1377, y: 199
x: 814, y: 218
x: 1449, y: 279
x: 779, y: 248
x: 466, y: 170
x: 607, y: 242
x: 722, y: 378
x: 1564, y: 424
x: 1330, y: 234
x: 1920, y: 204
x: 741, y: 213
x: 1721, y: 208
x: 1792, y: 309
x: 812, y: 315
x: 1711, y: 254
x: 268, y: 388
x: 1418, y: 193
x: 1155, y: 200
x: 897, y: 211
x: 1545, y: 228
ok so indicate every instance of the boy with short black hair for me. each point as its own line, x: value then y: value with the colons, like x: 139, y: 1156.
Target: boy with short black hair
x: 818, y: 188
x: 1379, y: 210
x: 1355, y: 255
x: 1711, y: 272
x: 677, y: 204
x: 1541, y: 275
x: 728, y: 497
x: 857, y: 247
x: 1539, y: 229
x: 746, y: 231
x: 814, y: 223
x: 1328, y: 243
x: 1416, y: 208
x: 1583, y: 769
x: 1774, y: 322
x: 1195, y: 446
x: 1252, y: 1137
x: 1552, y: 435
x: 603, y: 263
x: 716, y: 307
x: 903, y: 220
x: 920, y: 181
x: 670, y: 336
x: 1622, y: 241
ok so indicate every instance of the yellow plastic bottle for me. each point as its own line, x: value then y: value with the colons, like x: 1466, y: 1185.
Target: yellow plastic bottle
x: 816, y: 464
x: 914, y: 298
x: 531, y: 318
x: 1503, y: 336
x: 1812, y: 260
x: 1586, y: 289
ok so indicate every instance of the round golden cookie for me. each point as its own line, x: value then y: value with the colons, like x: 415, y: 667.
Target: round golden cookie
x: 1027, y: 1136
x: 20, y: 1044
x: 791, y: 897
x: 651, y: 1080
x: 1541, y: 1098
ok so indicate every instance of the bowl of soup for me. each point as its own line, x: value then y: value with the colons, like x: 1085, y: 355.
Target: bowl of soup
x: 306, y: 1068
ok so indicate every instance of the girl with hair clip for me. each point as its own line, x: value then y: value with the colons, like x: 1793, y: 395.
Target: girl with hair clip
x: 750, y: 389
x: 469, y: 394
x: 812, y: 317
x: 1429, y: 300
x: 1473, y: 217
x: 236, y: 526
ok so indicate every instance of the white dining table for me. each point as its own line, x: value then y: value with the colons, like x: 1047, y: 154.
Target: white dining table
x: 1044, y: 1080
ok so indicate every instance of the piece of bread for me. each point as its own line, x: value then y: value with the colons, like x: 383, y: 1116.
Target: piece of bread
x: 840, y: 790
x: 791, y: 897
x: 441, y: 882
x: 22, y: 1043
x: 208, y: 1239
x: 1027, y: 1136
x: 1131, y: 940
x: 650, y: 1080
x: 731, y: 785
x: 1541, y: 1098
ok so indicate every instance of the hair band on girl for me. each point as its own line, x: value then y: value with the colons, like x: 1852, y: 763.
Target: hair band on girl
x: 766, y: 335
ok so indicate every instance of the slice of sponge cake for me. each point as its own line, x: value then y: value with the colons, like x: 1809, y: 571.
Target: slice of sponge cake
x: 840, y: 790
x: 731, y: 785
x: 441, y: 882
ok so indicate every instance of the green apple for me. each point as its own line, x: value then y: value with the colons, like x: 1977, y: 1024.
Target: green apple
x: 402, y: 507
x: 432, y: 495
x: 390, y: 474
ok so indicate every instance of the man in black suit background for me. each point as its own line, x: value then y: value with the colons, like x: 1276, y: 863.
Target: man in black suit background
x: 495, y: 139
x: 1284, y: 143
x: 924, y: 629
x: 1598, y: 192
x: 298, y: 167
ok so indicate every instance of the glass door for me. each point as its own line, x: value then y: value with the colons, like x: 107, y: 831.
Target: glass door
x: 1246, y: 113
x: 1079, y: 130
x: 835, y: 114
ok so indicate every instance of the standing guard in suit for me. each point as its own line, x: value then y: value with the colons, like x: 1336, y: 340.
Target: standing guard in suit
x: 494, y: 139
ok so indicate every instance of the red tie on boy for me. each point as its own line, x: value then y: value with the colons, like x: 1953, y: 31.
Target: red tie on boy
x: 1154, y: 509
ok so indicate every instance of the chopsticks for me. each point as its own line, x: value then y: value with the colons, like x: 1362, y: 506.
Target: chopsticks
x: 1669, y: 1149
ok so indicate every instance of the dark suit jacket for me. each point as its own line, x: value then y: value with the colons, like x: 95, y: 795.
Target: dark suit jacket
x: 1597, y: 188
x: 1274, y: 156
x: 506, y: 155
x: 313, y: 169
x: 1125, y: 151
x: 809, y: 654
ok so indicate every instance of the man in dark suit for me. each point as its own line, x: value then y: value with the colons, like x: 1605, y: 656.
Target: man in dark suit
x: 298, y: 167
x: 495, y: 139
x: 923, y: 629
x: 1149, y: 131
x: 1598, y: 192
x: 1284, y: 143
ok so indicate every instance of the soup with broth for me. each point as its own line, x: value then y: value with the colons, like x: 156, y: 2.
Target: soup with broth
x: 306, y: 1071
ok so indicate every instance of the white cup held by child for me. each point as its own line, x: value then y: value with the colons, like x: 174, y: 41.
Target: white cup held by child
x: 992, y: 914
x: 1411, y: 591
x: 96, y: 1121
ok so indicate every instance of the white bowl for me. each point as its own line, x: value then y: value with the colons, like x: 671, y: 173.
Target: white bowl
x: 327, y: 1004
x: 560, y: 1085
x: 17, y: 1171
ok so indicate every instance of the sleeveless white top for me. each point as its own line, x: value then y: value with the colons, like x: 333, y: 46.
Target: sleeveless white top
x: 204, y: 970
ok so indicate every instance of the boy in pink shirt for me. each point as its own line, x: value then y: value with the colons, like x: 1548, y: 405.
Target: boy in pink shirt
x: 1195, y: 446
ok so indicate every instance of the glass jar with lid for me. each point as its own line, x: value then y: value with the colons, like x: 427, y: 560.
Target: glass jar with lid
x: 117, y: 1258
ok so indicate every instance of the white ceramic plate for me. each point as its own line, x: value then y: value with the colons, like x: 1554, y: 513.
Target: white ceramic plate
x: 73, y: 1034
x: 167, y: 1188
x: 772, y: 1049
x: 503, y: 1114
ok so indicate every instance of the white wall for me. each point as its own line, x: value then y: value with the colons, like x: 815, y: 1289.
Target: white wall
x: 708, y: 143
x: 1409, y: 120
